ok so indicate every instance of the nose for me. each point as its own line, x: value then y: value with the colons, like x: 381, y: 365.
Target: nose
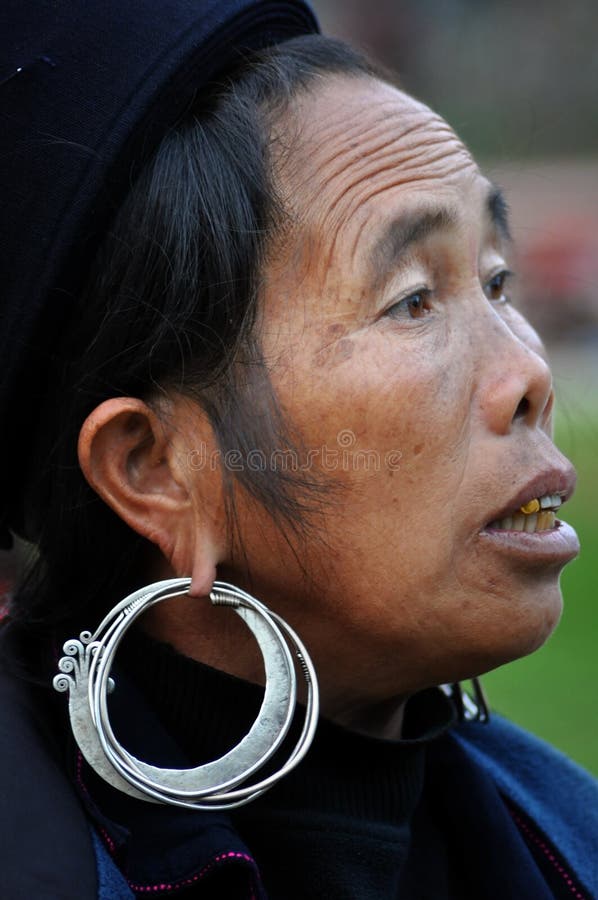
x: 517, y: 384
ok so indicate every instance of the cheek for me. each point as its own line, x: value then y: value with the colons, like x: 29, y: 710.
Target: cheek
x: 385, y: 406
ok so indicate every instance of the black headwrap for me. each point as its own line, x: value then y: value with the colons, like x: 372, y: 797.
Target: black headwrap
x: 87, y: 90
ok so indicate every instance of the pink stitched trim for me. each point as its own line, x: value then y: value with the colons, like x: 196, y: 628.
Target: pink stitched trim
x: 166, y: 886
x: 107, y: 839
x: 549, y: 855
x: 154, y: 888
x: 80, y: 781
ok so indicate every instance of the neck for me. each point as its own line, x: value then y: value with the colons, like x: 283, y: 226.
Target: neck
x: 215, y: 637
x: 382, y: 719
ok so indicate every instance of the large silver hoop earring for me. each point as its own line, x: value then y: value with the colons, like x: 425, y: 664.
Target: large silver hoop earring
x: 85, y: 674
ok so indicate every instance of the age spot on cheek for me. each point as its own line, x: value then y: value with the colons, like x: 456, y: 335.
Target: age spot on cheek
x: 336, y: 330
x: 334, y: 353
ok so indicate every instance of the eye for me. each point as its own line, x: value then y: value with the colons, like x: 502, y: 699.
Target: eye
x: 495, y: 288
x: 414, y: 306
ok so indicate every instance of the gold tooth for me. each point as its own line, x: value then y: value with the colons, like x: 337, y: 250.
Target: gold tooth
x: 532, y: 507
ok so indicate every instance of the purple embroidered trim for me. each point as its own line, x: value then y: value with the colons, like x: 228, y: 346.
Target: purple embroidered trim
x: 108, y: 841
x: 164, y: 887
x: 80, y: 781
x: 111, y: 846
x: 547, y: 851
x: 186, y: 882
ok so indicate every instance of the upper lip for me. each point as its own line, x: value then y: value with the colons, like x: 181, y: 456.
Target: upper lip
x: 552, y: 481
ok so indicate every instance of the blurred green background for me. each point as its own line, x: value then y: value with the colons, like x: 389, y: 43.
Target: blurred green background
x: 519, y: 82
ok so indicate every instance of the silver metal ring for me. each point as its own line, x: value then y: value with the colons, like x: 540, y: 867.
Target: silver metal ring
x: 85, y: 674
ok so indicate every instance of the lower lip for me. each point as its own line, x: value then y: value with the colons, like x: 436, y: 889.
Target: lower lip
x: 558, y: 546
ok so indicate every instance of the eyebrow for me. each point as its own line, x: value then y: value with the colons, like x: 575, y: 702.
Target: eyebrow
x: 498, y: 211
x: 415, y: 227
x: 408, y: 229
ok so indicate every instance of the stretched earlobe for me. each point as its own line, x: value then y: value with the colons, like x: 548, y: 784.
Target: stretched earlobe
x: 203, y: 576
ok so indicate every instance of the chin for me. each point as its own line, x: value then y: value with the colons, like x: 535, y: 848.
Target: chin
x: 515, y: 631
x: 529, y: 630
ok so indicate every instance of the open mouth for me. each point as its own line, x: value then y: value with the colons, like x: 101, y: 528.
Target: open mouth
x: 538, y: 514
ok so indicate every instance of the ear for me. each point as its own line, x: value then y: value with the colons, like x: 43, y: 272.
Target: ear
x: 133, y: 459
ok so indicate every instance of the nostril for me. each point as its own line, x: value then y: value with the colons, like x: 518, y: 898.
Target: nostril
x: 522, y: 409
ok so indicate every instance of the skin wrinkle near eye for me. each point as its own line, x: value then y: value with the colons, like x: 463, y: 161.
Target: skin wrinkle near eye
x: 360, y: 200
x: 338, y: 214
x: 368, y: 193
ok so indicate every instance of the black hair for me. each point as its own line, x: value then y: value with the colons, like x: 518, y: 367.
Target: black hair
x: 170, y: 305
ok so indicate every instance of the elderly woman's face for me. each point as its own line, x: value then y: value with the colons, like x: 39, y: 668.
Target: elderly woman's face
x: 416, y: 388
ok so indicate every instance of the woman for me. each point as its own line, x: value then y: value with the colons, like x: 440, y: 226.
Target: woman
x: 259, y: 334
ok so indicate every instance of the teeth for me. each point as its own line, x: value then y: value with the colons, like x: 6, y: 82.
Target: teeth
x: 548, y: 501
x: 540, y: 521
x: 537, y: 514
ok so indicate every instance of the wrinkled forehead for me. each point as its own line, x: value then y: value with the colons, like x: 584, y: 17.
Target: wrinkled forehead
x: 350, y: 141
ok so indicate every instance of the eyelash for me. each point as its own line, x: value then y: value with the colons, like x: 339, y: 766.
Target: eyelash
x: 502, y: 278
x: 497, y: 282
x: 422, y: 294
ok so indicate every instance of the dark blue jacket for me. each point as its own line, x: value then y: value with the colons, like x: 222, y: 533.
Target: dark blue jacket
x: 51, y: 852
